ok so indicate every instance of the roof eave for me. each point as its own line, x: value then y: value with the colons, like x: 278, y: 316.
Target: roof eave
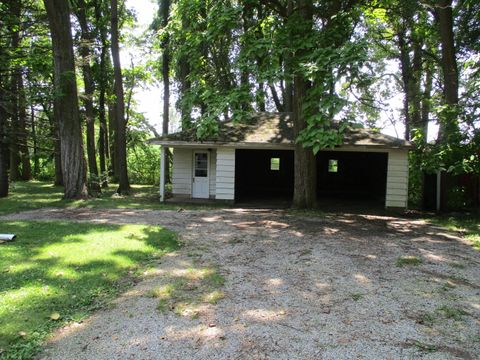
x: 216, y: 144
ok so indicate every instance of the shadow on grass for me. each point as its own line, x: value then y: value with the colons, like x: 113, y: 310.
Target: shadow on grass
x: 66, y: 268
x: 34, y: 195
x: 467, y: 225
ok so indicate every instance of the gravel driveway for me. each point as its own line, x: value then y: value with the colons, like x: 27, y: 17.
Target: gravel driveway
x: 296, y: 288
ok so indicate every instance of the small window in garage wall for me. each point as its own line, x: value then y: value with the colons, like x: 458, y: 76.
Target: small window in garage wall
x: 275, y: 164
x: 332, y: 165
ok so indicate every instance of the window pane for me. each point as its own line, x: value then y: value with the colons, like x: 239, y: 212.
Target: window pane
x: 200, y: 172
x: 332, y: 165
x: 275, y: 164
x: 201, y: 165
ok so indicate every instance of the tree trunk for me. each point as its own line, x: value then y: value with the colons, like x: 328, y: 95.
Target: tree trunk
x: 57, y: 155
x: 260, y: 94
x: 111, y: 142
x: 102, y: 137
x: 305, y: 180
x: 4, y: 183
x: 14, y: 151
x: 406, y: 70
x: 36, y: 162
x: 280, y: 107
x: 247, y: 15
x: 66, y: 102
x: 22, y: 129
x: 449, y: 66
x: 415, y: 85
x: 426, y: 99
x: 85, y: 53
x: 103, y: 133
x: 120, y: 126
x: 288, y: 91
x: 185, y: 84
x: 13, y: 96
x: 165, y: 12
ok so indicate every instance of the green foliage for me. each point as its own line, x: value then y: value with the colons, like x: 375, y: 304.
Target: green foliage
x: 415, y: 179
x: 143, y: 160
x: 457, y: 198
x: 66, y: 268
x: 320, y: 135
x: 228, y: 56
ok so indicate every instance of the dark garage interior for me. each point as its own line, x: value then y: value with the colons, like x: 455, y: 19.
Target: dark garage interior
x: 352, y: 176
x: 343, y: 177
x: 263, y: 175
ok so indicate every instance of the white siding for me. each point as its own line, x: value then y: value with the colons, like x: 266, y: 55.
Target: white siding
x: 182, y: 172
x: 397, y: 179
x: 212, y: 173
x: 225, y: 174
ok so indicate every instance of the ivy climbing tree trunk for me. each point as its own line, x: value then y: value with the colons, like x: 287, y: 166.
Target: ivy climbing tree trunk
x: 120, y: 124
x: 66, y: 102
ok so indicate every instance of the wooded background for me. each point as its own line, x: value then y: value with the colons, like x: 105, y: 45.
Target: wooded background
x: 67, y: 112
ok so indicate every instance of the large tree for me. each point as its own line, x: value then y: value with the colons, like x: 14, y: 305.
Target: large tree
x: 120, y: 123
x: 86, y: 43
x: 305, y: 190
x: 66, y: 101
x: 4, y: 183
x: 449, y: 120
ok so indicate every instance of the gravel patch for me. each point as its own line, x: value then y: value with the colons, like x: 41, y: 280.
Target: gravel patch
x: 295, y: 288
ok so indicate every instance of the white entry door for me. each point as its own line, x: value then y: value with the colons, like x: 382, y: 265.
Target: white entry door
x: 200, y: 185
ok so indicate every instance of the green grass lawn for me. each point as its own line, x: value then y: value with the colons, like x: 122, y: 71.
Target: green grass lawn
x: 469, y: 226
x: 66, y: 270
x: 35, y: 194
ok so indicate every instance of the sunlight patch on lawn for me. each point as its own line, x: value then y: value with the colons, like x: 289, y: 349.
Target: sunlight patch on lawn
x: 66, y: 268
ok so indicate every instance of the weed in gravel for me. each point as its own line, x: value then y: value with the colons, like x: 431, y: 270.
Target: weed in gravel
x: 194, y: 255
x: 424, y: 347
x: 427, y: 319
x: 235, y: 240
x: 215, y: 279
x: 408, y: 260
x: 214, y: 297
x: 457, y: 265
x: 452, y: 312
x: 447, y: 287
x: 443, y: 312
x: 356, y: 296
x: 185, y: 294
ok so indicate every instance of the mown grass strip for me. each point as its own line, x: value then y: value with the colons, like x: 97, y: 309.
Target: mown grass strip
x: 35, y: 194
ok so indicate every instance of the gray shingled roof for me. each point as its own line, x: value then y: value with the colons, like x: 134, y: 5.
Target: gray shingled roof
x: 275, y: 129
